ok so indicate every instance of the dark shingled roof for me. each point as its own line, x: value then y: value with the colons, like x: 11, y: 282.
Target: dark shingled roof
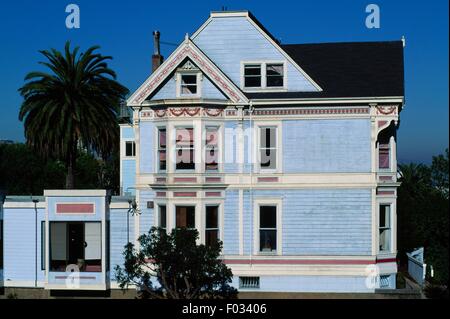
x: 353, y: 69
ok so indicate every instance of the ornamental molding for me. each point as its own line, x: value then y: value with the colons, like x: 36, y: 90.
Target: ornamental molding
x: 187, y: 50
x: 387, y: 110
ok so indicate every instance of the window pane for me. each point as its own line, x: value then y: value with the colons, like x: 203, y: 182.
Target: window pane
x: 129, y: 149
x: 385, y: 239
x: 212, y: 216
x: 268, y: 137
x: 185, y: 159
x: 252, y: 82
x: 211, y: 159
x: 58, y: 246
x: 383, y: 156
x: 185, y: 136
x: 162, y: 138
x: 252, y: 70
x: 162, y: 216
x: 268, y: 217
x: 268, y: 159
x: 188, y: 89
x: 267, y: 240
x: 385, y: 215
x: 274, y: 74
x: 274, y: 81
x: 211, y: 237
x: 211, y: 136
x: 185, y: 216
x: 275, y: 69
x: 188, y: 79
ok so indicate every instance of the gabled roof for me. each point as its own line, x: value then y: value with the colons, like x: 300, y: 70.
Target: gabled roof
x: 187, y: 50
x: 352, y: 69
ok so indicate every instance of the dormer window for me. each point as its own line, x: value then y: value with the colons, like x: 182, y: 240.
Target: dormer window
x: 188, y: 79
x: 263, y: 75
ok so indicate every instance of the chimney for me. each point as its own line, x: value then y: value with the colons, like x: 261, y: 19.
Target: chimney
x: 157, y: 58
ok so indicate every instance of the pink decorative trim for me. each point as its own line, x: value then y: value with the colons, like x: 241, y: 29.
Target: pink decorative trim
x: 161, y: 179
x: 385, y: 178
x: 387, y: 260
x: 301, y: 111
x: 160, y: 113
x: 268, y: 179
x: 213, y: 194
x: 185, y: 180
x: 146, y: 114
x: 305, y: 261
x: 386, y: 110
x: 184, y: 194
x: 204, y: 65
x: 213, y: 179
x: 160, y: 194
x: 80, y: 277
x: 75, y: 209
x: 213, y: 112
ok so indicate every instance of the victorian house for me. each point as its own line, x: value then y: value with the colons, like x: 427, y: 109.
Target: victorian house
x: 285, y: 152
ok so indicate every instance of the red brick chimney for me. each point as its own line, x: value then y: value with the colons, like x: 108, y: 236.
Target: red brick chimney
x: 157, y: 58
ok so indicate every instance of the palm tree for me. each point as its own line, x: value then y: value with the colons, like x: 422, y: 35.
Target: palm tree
x: 74, y: 105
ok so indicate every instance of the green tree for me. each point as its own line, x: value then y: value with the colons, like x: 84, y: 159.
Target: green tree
x: 180, y: 268
x: 74, y: 105
x: 23, y: 172
x: 423, y: 214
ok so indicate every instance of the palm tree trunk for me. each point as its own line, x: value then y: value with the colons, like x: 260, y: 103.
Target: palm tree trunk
x: 71, y: 160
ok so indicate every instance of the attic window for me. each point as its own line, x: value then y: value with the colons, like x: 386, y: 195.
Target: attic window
x: 188, y: 84
x: 263, y: 75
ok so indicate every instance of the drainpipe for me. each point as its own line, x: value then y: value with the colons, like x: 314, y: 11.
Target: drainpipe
x: 252, y: 167
x: 35, y: 201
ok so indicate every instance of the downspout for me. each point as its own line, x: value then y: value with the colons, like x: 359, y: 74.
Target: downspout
x: 252, y: 163
x: 35, y: 201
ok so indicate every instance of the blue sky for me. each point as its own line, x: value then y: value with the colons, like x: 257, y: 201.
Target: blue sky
x: 124, y: 30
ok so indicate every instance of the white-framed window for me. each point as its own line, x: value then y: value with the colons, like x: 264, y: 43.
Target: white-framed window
x: 268, y: 148
x: 130, y: 149
x: 189, y: 84
x: 212, y: 233
x: 268, y: 226
x: 184, y: 148
x: 263, y: 75
x: 212, y: 148
x: 385, y: 228
x: 162, y: 149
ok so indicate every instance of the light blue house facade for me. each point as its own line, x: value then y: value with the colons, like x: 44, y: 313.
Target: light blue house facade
x: 286, y: 153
